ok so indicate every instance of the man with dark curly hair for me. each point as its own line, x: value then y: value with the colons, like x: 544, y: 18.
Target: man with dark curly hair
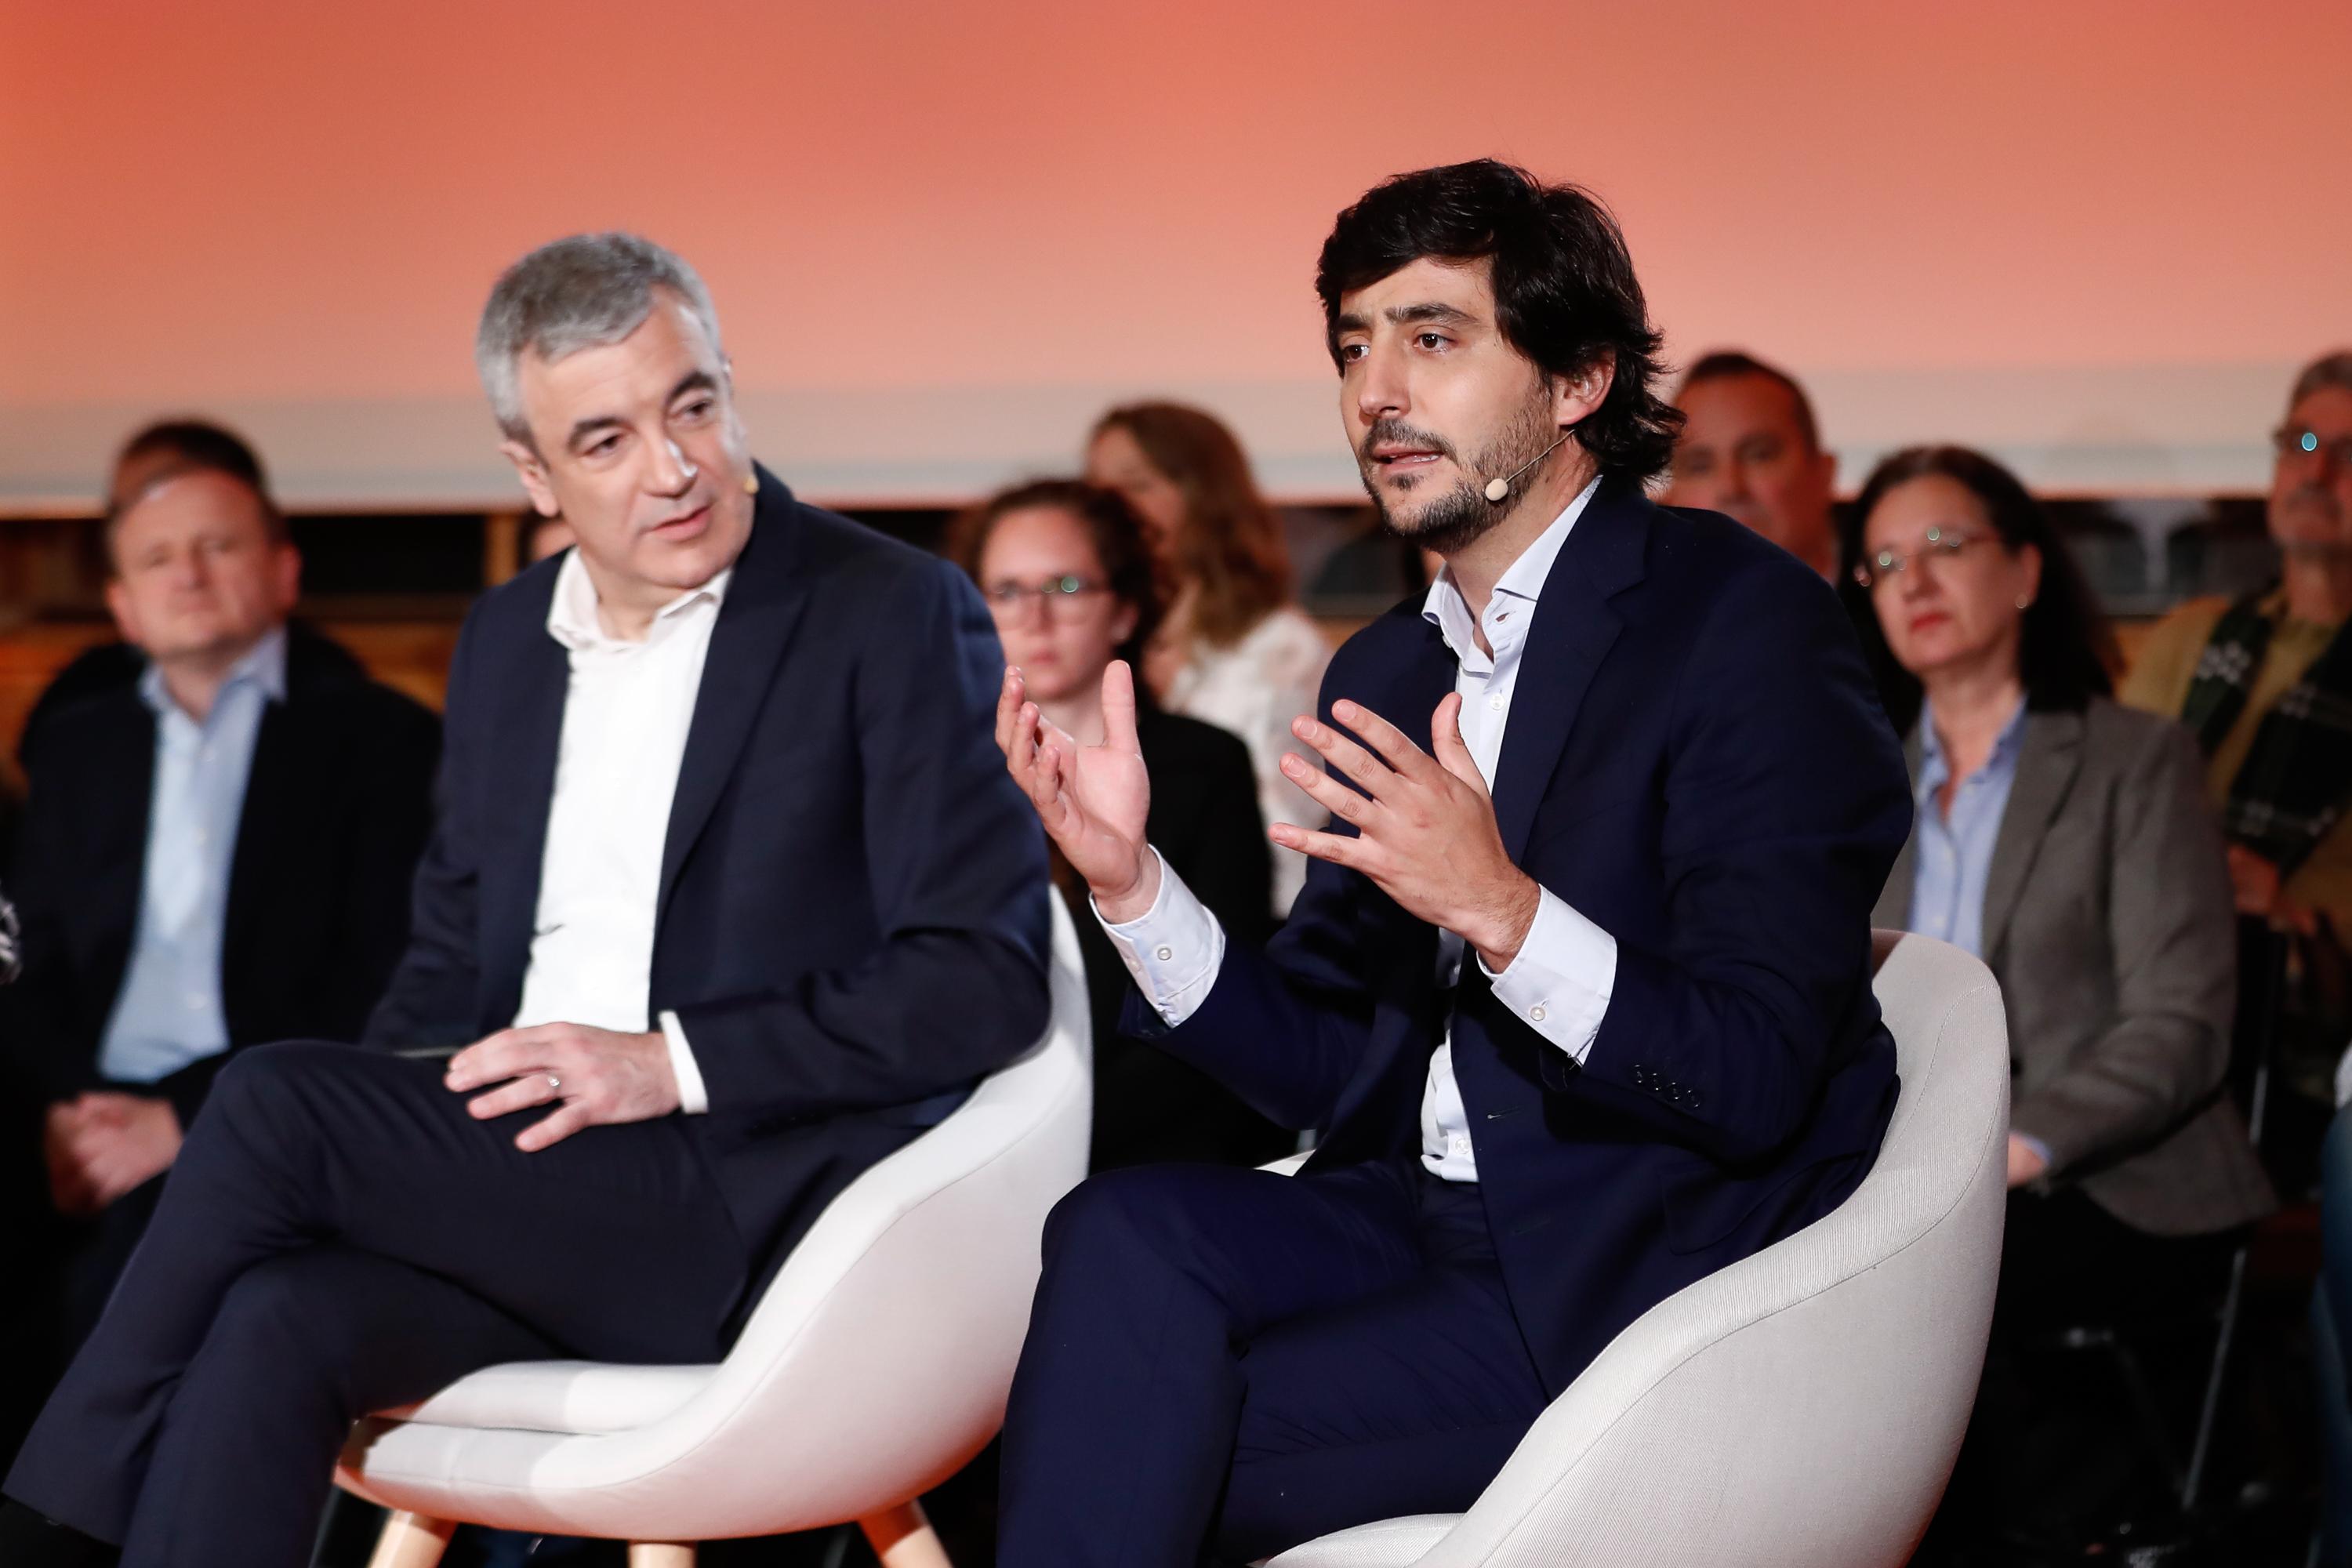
x: 1582, y: 1012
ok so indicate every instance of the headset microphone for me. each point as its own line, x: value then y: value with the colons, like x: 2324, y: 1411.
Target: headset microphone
x: 1500, y: 489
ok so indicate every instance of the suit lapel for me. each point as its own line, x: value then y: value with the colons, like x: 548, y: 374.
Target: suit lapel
x: 765, y: 599
x: 528, y: 731
x: 125, y: 762
x: 1573, y: 629
x: 2047, y: 761
x: 272, y: 802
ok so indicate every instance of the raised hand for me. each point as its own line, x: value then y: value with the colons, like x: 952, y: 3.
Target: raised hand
x: 1092, y: 799
x: 1426, y: 831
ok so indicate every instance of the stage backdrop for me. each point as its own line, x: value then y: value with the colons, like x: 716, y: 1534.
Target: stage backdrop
x: 2095, y: 238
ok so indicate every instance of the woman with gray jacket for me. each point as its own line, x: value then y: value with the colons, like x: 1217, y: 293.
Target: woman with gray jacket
x: 2064, y: 840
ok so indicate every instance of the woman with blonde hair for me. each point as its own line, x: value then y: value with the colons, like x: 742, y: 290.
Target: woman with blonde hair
x: 1233, y: 652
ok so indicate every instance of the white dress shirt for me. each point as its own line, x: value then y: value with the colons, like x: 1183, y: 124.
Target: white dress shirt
x: 1561, y: 980
x: 626, y: 710
x: 169, y: 1012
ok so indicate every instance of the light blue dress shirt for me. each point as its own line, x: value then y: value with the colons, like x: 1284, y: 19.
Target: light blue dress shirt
x: 169, y: 1013
x: 1954, y: 850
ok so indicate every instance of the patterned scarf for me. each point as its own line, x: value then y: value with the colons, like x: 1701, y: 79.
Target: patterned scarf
x: 2297, y: 780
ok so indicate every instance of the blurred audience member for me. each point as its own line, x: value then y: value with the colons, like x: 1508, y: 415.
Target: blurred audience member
x: 215, y: 853
x: 1750, y: 448
x: 2063, y: 839
x: 1233, y: 650
x: 167, y: 445
x: 1070, y: 580
x: 2265, y: 684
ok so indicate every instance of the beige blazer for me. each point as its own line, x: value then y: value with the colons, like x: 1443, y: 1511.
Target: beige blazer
x: 2109, y: 923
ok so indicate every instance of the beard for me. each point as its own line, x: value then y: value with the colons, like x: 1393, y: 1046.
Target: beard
x: 1452, y: 520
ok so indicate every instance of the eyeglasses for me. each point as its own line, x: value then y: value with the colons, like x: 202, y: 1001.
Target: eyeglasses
x: 1010, y: 599
x: 2294, y: 441
x: 1939, y: 544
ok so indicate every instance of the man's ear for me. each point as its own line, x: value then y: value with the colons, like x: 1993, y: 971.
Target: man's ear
x: 1578, y: 395
x: 1122, y: 626
x: 534, y: 471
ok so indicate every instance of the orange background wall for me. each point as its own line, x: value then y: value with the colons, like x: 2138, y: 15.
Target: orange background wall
x: 2097, y: 237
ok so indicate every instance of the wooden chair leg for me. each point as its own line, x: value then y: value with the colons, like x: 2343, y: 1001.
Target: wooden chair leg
x: 902, y: 1538
x: 661, y: 1554
x: 411, y: 1541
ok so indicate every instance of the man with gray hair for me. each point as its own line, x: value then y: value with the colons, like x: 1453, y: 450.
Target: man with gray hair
x: 730, y: 897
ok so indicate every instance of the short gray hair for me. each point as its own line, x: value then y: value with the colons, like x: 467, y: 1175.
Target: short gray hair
x: 574, y: 294
x: 2328, y: 370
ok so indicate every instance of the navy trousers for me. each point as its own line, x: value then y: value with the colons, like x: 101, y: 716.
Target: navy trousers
x: 339, y: 1235
x: 1223, y: 1364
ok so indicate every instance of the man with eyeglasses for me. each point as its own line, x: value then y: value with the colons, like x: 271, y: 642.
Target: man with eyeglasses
x: 2266, y: 683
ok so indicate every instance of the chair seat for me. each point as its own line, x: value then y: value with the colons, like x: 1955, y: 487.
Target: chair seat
x: 1390, y: 1543
x: 572, y: 1396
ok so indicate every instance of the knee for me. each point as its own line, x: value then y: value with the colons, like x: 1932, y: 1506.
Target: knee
x: 1144, y: 1211
x: 258, y: 1082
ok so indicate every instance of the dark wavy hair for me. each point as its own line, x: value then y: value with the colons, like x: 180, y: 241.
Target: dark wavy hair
x: 1231, y: 546
x: 2065, y: 651
x: 1565, y: 294
x: 1112, y: 526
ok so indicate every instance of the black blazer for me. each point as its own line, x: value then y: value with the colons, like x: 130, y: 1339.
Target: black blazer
x: 336, y: 811
x: 1148, y: 1105
x: 852, y: 925
x: 1697, y: 762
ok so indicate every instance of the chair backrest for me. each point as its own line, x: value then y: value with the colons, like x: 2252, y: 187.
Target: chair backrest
x: 1803, y: 1407
x: 878, y: 1361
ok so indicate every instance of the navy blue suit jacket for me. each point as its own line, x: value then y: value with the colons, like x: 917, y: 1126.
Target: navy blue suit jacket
x: 852, y: 925
x: 1697, y: 762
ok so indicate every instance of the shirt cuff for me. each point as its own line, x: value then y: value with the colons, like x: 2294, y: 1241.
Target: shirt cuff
x: 1173, y: 949
x: 1560, y: 982
x: 692, y: 1097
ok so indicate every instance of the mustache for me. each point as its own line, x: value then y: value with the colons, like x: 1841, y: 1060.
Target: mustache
x: 1396, y: 432
x: 2312, y: 493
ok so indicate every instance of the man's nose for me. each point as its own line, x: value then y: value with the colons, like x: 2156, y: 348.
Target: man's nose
x: 1383, y: 393
x: 673, y: 471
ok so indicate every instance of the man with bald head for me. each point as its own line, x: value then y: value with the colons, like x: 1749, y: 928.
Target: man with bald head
x: 217, y: 851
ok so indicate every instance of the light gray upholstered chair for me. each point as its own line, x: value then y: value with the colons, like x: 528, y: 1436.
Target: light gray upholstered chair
x: 1803, y: 1407
x: 877, y: 1363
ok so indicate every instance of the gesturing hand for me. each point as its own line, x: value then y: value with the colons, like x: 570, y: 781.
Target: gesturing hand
x: 593, y: 1077
x: 1092, y: 799
x: 1426, y: 837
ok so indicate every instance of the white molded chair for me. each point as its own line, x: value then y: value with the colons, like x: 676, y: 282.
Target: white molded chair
x: 877, y: 1363
x: 1803, y: 1407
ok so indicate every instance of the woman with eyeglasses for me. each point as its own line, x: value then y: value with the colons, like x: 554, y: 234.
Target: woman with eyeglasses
x: 2064, y: 840
x: 1067, y: 575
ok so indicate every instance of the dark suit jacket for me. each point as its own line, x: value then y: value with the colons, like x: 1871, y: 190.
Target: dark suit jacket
x: 336, y: 810
x: 852, y: 925
x: 2109, y: 923
x: 1696, y: 762
x: 1148, y: 1105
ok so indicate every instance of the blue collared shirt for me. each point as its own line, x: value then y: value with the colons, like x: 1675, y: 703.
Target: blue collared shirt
x: 169, y: 1012
x: 1954, y: 850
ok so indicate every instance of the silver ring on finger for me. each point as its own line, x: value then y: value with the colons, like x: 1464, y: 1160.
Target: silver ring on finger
x: 554, y: 1084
